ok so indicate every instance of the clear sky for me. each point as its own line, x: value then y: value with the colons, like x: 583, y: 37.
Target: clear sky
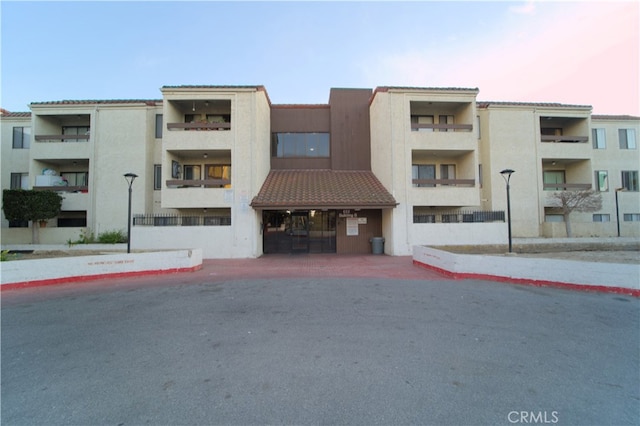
x: 578, y: 52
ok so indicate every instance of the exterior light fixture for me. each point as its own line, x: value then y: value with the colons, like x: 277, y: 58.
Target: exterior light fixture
x: 506, y: 175
x: 129, y: 177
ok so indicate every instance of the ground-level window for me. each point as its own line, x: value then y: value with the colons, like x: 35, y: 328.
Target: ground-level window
x: 553, y: 218
x: 601, y: 218
x: 632, y: 217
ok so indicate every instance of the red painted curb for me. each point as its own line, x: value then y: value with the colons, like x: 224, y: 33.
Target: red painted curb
x: 525, y: 281
x: 84, y: 278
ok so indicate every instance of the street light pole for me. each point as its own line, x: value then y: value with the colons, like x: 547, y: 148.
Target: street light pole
x: 506, y: 175
x: 129, y: 177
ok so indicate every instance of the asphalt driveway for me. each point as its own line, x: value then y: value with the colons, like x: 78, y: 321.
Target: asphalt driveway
x: 209, y: 350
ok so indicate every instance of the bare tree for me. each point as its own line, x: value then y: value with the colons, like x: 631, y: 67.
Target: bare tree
x: 579, y: 201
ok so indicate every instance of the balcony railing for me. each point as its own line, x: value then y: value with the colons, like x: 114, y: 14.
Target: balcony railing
x: 61, y: 188
x: 482, y: 216
x: 442, y: 127
x: 198, y: 126
x: 199, y: 183
x: 564, y: 139
x: 62, y: 138
x: 566, y: 186
x: 430, y: 183
x: 180, y: 220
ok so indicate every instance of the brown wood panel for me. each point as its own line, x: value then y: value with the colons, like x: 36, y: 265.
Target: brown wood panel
x: 300, y: 119
x: 350, y: 131
x: 361, y: 243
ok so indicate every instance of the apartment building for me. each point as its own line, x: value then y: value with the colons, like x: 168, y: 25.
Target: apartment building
x: 223, y: 169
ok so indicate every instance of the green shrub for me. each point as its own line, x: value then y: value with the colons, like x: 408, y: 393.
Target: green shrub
x: 5, y: 255
x: 112, y: 237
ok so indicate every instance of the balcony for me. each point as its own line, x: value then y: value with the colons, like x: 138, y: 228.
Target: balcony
x: 75, y: 198
x: 447, y: 192
x: 181, y: 194
x: 198, y: 124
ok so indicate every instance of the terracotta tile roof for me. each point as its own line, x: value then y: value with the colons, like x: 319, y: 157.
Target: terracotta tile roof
x: 486, y: 104
x: 8, y: 114
x: 151, y: 102
x: 322, y: 189
x: 614, y: 117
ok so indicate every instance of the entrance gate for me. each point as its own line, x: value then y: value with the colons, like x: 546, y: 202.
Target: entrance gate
x: 300, y: 231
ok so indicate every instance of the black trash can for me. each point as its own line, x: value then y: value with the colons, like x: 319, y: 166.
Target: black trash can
x: 377, y: 245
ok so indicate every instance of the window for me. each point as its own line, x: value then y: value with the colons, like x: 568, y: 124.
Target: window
x: 445, y: 119
x: 76, y: 178
x: 447, y: 171
x: 480, y: 174
x: 630, y: 180
x: 21, y: 137
x: 553, y: 218
x: 601, y: 218
x: 552, y: 177
x: 598, y: 136
x: 219, y: 171
x: 157, y: 177
x: 75, y: 130
x: 158, y: 126
x: 478, y: 124
x: 423, y: 171
x: 300, y: 145
x: 19, y: 180
x: 192, y: 172
x: 632, y: 217
x: 627, y: 138
x: 602, y: 180
x: 417, y: 120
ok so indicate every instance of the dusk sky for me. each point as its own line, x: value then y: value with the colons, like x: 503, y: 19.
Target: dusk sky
x: 584, y: 53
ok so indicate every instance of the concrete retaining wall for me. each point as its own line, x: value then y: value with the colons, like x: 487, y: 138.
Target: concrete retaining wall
x: 25, y: 273
x: 617, y: 278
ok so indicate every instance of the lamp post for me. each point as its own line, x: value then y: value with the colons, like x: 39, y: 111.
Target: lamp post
x: 617, y: 210
x: 129, y: 177
x: 506, y: 175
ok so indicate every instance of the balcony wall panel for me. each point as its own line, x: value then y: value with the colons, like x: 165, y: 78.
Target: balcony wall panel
x: 75, y: 201
x: 565, y: 150
x: 445, y: 196
x: 197, y: 139
x: 60, y: 150
x: 182, y: 198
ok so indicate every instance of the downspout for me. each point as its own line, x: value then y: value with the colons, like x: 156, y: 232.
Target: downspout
x: 93, y: 135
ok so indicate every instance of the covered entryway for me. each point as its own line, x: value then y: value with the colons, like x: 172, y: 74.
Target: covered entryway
x: 300, y: 231
x: 321, y: 211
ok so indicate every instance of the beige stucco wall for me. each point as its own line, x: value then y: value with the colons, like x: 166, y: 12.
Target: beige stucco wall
x: 509, y: 141
x: 395, y: 147
x: 13, y: 160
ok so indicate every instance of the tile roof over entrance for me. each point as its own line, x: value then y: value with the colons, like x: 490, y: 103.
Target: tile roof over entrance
x: 312, y: 189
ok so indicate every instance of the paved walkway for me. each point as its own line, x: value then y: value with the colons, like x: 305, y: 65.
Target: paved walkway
x: 318, y: 265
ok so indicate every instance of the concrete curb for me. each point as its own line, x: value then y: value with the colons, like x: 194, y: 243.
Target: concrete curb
x: 42, y: 272
x: 569, y: 274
